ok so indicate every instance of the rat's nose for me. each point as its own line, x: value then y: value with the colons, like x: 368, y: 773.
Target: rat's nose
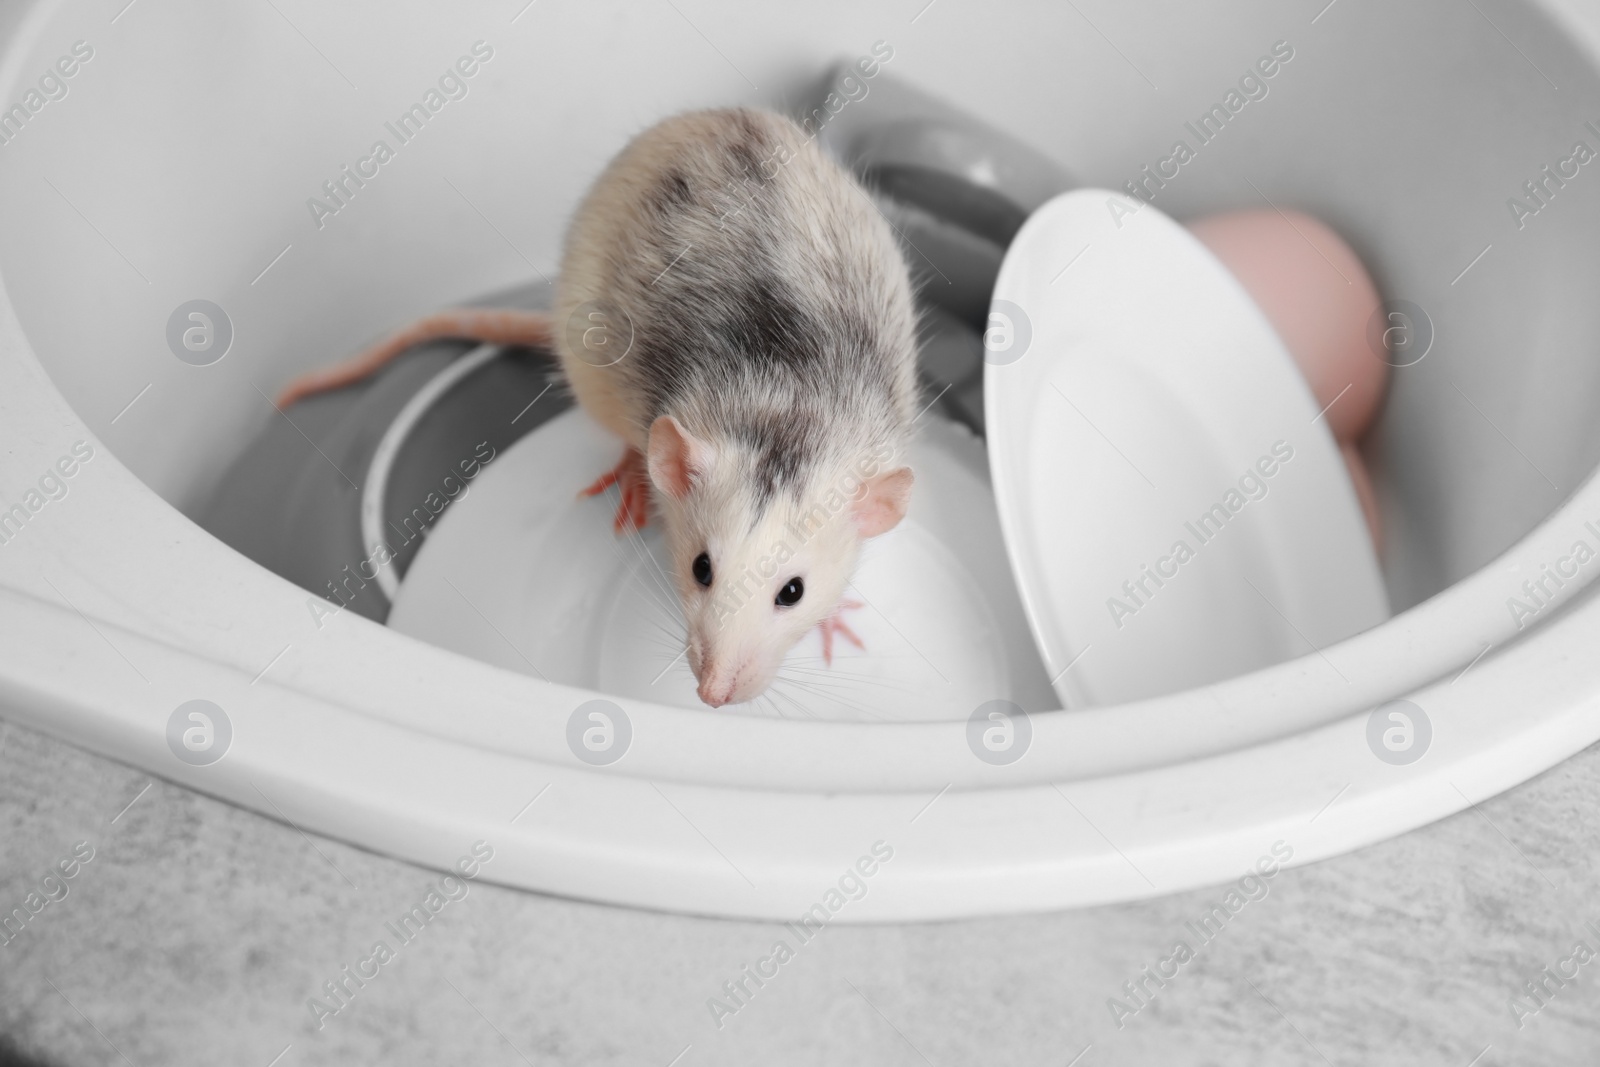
x: 717, y: 686
x: 716, y: 692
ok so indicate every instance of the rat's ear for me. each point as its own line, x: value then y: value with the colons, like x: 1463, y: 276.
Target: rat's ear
x: 676, y: 457
x: 883, y: 505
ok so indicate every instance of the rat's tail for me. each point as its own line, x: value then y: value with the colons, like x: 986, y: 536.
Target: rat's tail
x: 531, y: 328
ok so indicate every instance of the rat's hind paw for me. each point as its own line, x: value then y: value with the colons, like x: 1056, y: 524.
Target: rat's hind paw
x: 633, y: 485
x: 834, y: 624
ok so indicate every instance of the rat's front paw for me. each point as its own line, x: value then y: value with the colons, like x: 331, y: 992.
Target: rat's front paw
x: 633, y: 484
x: 834, y: 624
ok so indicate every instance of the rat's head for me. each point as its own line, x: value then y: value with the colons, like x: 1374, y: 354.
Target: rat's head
x: 756, y: 571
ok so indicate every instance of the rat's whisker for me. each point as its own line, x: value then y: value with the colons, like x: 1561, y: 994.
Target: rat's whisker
x: 795, y: 702
x: 831, y: 676
x: 663, y: 630
x: 770, y: 699
x: 661, y: 602
x: 666, y: 644
x: 832, y: 694
x: 659, y: 590
x: 834, y: 699
x: 841, y: 689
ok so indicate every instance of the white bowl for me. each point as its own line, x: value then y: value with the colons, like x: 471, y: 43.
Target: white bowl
x: 115, y: 609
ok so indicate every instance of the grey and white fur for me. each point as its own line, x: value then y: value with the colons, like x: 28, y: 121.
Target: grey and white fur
x: 766, y: 383
x: 770, y: 384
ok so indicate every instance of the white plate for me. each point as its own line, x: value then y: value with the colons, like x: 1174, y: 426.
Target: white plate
x: 521, y: 573
x: 1131, y: 384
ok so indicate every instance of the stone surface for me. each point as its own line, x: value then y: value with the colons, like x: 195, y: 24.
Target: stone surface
x: 198, y: 932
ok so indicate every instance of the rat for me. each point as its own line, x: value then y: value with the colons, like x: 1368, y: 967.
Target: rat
x: 740, y: 315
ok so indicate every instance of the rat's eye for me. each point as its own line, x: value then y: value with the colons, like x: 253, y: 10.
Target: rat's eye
x: 791, y: 593
x: 702, y: 569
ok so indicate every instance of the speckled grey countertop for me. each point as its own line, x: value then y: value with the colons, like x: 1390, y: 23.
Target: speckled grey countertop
x: 198, y: 933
